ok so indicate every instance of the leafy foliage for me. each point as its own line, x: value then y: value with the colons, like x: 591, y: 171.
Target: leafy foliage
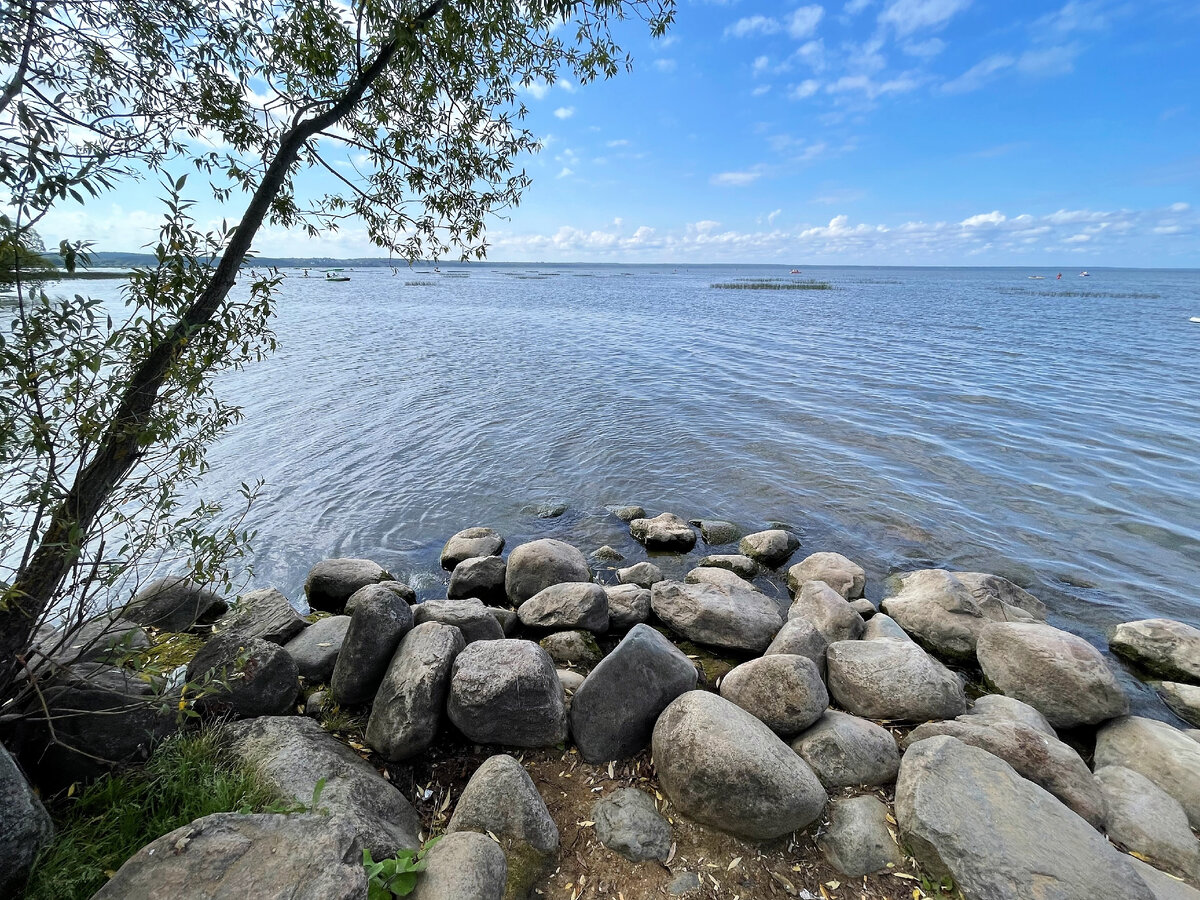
x: 395, y: 877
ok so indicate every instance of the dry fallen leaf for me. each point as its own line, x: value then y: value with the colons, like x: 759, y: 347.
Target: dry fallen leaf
x: 733, y: 865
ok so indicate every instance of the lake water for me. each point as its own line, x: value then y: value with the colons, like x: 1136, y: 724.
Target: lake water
x: 975, y: 419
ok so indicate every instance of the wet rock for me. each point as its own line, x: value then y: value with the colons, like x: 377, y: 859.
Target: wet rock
x: 569, y: 605
x: 965, y: 813
x: 534, y: 566
x: 481, y: 577
x: 1146, y: 819
x: 471, y: 543
x: 608, y: 554
x: 316, y: 649
x: 628, y: 605
x: 507, y: 692
x: 664, y: 532
x: 551, y: 509
x: 769, y: 548
x: 174, y: 603
x: 732, y: 615
x: 1165, y: 755
x: 783, y: 691
x: 407, y: 710
x: 742, y: 566
x: 627, y: 822
x: 882, y: 627
x: 629, y: 513
x: 992, y: 592
x: 725, y: 768
x: 858, y: 841
x: 463, y: 866
x: 892, y: 680
x: 846, y: 751
x: 716, y: 532
x: 1162, y: 647
x: 826, y: 609
x: 572, y: 648
x: 265, y: 614
x: 331, y: 582
x: 379, y: 618
x: 249, y: 677
x: 1062, y: 676
x: 801, y: 637
x: 467, y: 614
x: 613, y: 713
x: 643, y: 574
x: 1183, y: 699
x: 841, y: 574
x: 25, y: 827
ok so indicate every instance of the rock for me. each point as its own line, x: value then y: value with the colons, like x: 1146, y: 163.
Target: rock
x: 174, y: 603
x: 614, y: 711
x: 991, y: 709
x: 858, y: 841
x: 314, y: 706
x: 481, y: 577
x: 664, y: 532
x: 1165, y: 755
x: 734, y: 616
x: 507, y: 618
x: 265, y: 614
x: 1146, y: 819
x: 227, y: 855
x: 608, y: 554
x: 407, y: 709
x: 1183, y: 699
x: 1033, y: 754
x: 846, y: 751
x: 463, y: 866
x: 769, y: 548
x: 742, y: 566
x: 25, y: 827
x: 643, y: 574
x: 1162, y: 886
x: 249, y: 677
x: 783, y: 691
x: 722, y: 578
x: 467, y: 614
x: 1162, y: 647
x: 844, y: 576
x: 500, y: 799
x: 331, y: 582
x: 725, y: 768
x: 471, y: 543
x: 507, y: 692
x: 535, y: 566
x: 826, y: 609
x: 316, y: 649
x: 990, y: 590
x: 572, y: 648
x: 571, y: 682
x: 629, y: 513
x: 399, y: 588
x: 551, y: 509
x: 801, y: 637
x: 568, y: 605
x: 863, y: 607
x: 293, y: 753
x: 965, y: 813
x: 881, y: 627
x: 716, y: 531
x: 627, y: 822
x: 628, y: 605
x: 1062, y: 676
x: 379, y: 618
x: 103, y: 639
x: 684, y: 883
x: 892, y: 680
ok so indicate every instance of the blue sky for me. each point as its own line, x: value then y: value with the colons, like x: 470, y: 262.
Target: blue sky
x: 922, y: 132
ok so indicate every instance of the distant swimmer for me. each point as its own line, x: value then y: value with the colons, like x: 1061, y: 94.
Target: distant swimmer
x: 1059, y: 277
x: 306, y: 273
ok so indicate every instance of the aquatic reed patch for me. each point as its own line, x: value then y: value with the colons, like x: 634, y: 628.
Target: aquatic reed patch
x: 420, y: 284
x: 772, y: 284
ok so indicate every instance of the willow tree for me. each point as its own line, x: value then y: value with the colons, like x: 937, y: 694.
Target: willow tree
x: 101, y: 422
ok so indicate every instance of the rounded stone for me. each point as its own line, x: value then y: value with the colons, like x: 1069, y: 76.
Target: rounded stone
x: 249, y: 677
x: 769, y: 548
x: 572, y: 648
x: 783, y: 691
x: 467, y: 614
x: 841, y: 574
x: 892, y: 680
x: 534, y: 566
x: 643, y: 574
x: 507, y: 692
x: 628, y: 605
x: 826, y: 609
x: 463, y: 865
x: 846, y: 751
x: 316, y: 648
x: 567, y: 605
x: 663, y: 532
x: 331, y: 582
x: 481, y: 577
x: 470, y: 543
x: 628, y: 823
x: 1162, y: 647
x: 379, y: 618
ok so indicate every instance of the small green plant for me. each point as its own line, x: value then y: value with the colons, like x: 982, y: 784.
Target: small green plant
x: 283, y: 807
x: 395, y: 877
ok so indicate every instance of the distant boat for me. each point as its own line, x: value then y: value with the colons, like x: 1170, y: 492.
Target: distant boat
x: 329, y: 276
x: 1084, y: 274
x: 794, y: 272
x: 1195, y: 319
x: 1036, y: 277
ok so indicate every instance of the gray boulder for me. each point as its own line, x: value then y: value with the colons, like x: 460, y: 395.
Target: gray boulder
x: 507, y: 618
x: 628, y: 605
x: 742, y: 566
x: 882, y: 627
x: 717, y: 531
x: 246, y: 677
x: 992, y: 592
x: 627, y: 822
x: 331, y: 582
x: 103, y: 639
x: 783, y: 691
x: 568, y: 605
x: 1062, y: 676
x: 664, y: 532
x: 379, y: 618
x: 471, y: 543
x: 863, y: 607
x: 846, y: 751
x: 725, y: 768
x: 769, y: 548
x: 732, y: 615
x: 1146, y: 819
x: 629, y: 513
x: 174, y: 603
x: 507, y: 692
x: 1183, y: 700
x: 858, y: 841
x: 463, y: 866
x: 408, y: 706
x: 614, y: 711
x: 467, y: 614
x: 826, y: 609
x: 293, y: 753
x: 722, y: 578
x: 479, y: 576
x: 1165, y: 755
x: 802, y: 638
x: 607, y: 554
x: 535, y: 566
x: 227, y: 855
x: 991, y: 709
x: 25, y: 827
x: 643, y: 574
x: 1162, y: 886
x: 841, y: 574
x: 1162, y: 647
x: 316, y: 649
x: 572, y: 648
x: 892, y: 680
x: 965, y: 813
x: 265, y: 614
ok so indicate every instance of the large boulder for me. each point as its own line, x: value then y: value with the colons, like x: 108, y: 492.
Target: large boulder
x: 801, y: 637
x: 265, y: 614
x: 535, y: 566
x: 664, y: 532
x: 1165, y: 755
x: 733, y: 615
x: 479, y: 576
x: 567, y: 605
x: 1162, y: 885
x: 725, y: 768
x: 464, y: 865
x: 1059, y: 674
x: 227, y: 855
x: 614, y: 711
x: 993, y: 593
x: 1146, y: 819
x: 844, y: 576
x: 742, y: 566
x: 1182, y: 699
x: 627, y: 822
x: 507, y: 692
x: 991, y: 709
x: 846, y: 751
x: 174, y: 603
x: 783, y: 691
x: 316, y: 648
x: 243, y: 677
x: 882, y: 627
x: 471, y: 543
x: 966, y: 814
x: 409, y: 704
x: 770, y: 548
x: 25, y: 827
x: 643, y: 574
x: 331, y: 582
x: 892, y: 680
x: 106, y: 638
x: 858, y: 841
x: 1162, y: 647
x: 828, y: 611
x: 628, y: 605
x: 293, y: 753
x: 379, y: 618
x: 467, y: 614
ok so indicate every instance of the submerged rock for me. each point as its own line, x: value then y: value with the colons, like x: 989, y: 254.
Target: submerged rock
x: 769, y: 548
x: 716, y: 531
x: 629, y: 513
x: 742, y: 566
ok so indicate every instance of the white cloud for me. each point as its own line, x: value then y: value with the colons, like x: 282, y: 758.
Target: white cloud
x: 705, y: 226
x: 761, y: 64
x: 925, y: 49
x: 1059, y: 60
x: 871, y: 89
x: 804, y: 21
x: 773, y: 215
x: 812, y: 54
x: 1075, y: 16
x: 854, y: 7
x: 665, y: 65
x: 537, y: 89
x: 995, y: 217
x: 907, y: 16
x: 751, y: 25
x: 979, y: 74
x: 738, y: 179
x: 566, y: 171
x: 564, y: 112
x: 760, y: 90
x: 620, y: 142
x: 804, y: 89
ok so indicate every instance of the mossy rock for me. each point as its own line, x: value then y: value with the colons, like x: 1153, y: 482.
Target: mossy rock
x: 526, y: 867
x: 712, y: 667
x: 168, y: 651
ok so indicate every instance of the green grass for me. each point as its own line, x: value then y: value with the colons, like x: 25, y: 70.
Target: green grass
x: 108, y: 821
x: 772, y: 284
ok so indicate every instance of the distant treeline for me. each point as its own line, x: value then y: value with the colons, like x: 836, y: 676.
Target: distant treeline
x: 110, y: 260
